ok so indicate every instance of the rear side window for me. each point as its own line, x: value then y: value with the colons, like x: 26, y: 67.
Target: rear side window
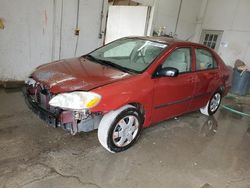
x: 204, y: 60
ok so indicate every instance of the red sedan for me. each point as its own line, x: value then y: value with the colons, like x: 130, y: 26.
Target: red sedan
x: 127, y: 85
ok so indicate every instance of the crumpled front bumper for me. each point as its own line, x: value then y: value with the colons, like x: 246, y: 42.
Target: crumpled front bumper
x: 68, y: 120
x: 49, y: 117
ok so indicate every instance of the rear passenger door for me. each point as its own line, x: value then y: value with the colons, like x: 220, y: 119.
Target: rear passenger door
x: 207, y: 77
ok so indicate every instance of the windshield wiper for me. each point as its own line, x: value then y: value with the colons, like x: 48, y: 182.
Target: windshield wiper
x: 109, y: 63
x: 100, y: 61
x: 90, y: 57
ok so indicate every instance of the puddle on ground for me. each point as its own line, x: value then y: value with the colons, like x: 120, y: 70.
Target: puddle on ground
x: 248, y: 131
x: 209, y: 128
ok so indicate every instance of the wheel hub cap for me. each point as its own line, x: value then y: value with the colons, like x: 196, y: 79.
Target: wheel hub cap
x: 215, y: 102
x: 125, y: 131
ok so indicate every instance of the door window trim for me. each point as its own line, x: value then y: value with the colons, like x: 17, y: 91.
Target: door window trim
x: 212, y: 54
x: 191, y: 58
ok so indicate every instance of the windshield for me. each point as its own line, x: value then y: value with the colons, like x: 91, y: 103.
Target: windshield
x: 129, y: 54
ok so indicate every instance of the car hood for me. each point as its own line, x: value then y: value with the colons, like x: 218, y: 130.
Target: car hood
x: 76, y: 74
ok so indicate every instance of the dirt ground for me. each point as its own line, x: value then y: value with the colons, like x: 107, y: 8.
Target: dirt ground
x: 191, y: 151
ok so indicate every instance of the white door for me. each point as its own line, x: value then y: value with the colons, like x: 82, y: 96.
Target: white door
x: 88, y: 23
x: 126, y: 21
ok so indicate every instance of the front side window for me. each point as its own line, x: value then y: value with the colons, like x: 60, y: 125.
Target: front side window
x: 204, y: 60
x: 130, y: 54
x: 179, y: 59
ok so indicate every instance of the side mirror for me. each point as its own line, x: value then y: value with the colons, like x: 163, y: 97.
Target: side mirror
x: 167, y: 72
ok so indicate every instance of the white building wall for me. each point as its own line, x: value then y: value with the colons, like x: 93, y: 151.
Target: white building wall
x: 35, y: 33
x: 26, y: 40
x: 166, y: 13
x: 231, y: 16
x: 40, y: 31
x: 188, y: 19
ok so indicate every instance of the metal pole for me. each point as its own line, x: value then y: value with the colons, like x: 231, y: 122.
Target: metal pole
x: 178, y: 17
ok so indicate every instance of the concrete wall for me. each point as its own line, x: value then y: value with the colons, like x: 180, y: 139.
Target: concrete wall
x: 26, y: 39
x: 165, y: 14
x: 188, y: 19
x: 231, y: 16
x: 40, y: 31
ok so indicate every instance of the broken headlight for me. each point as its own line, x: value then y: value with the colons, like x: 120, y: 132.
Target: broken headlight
x: 76, y: 101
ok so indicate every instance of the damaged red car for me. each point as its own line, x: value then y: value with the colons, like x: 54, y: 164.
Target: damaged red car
x: 127, y: 85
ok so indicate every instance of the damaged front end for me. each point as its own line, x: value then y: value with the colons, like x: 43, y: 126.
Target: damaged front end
x: 38, y: 98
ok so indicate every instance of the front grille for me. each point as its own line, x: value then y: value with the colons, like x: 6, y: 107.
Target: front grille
x: 44, y: 99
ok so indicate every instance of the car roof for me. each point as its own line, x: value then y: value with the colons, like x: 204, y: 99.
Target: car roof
x: 167, y: 40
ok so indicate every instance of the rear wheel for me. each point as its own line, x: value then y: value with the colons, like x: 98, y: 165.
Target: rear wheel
x: 212, y: 105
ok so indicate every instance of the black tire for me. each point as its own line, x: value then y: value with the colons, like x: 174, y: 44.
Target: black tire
x: 126, y: 113
x: 213, y: 104
x: 214, y: 111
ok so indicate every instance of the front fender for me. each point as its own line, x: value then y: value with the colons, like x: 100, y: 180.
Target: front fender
x: 138, y: 89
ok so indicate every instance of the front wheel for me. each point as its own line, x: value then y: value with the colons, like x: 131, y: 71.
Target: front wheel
x: 122, y: 131
x: 212, y: 105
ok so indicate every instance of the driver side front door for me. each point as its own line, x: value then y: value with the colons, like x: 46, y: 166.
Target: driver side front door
x: 173, y: 95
